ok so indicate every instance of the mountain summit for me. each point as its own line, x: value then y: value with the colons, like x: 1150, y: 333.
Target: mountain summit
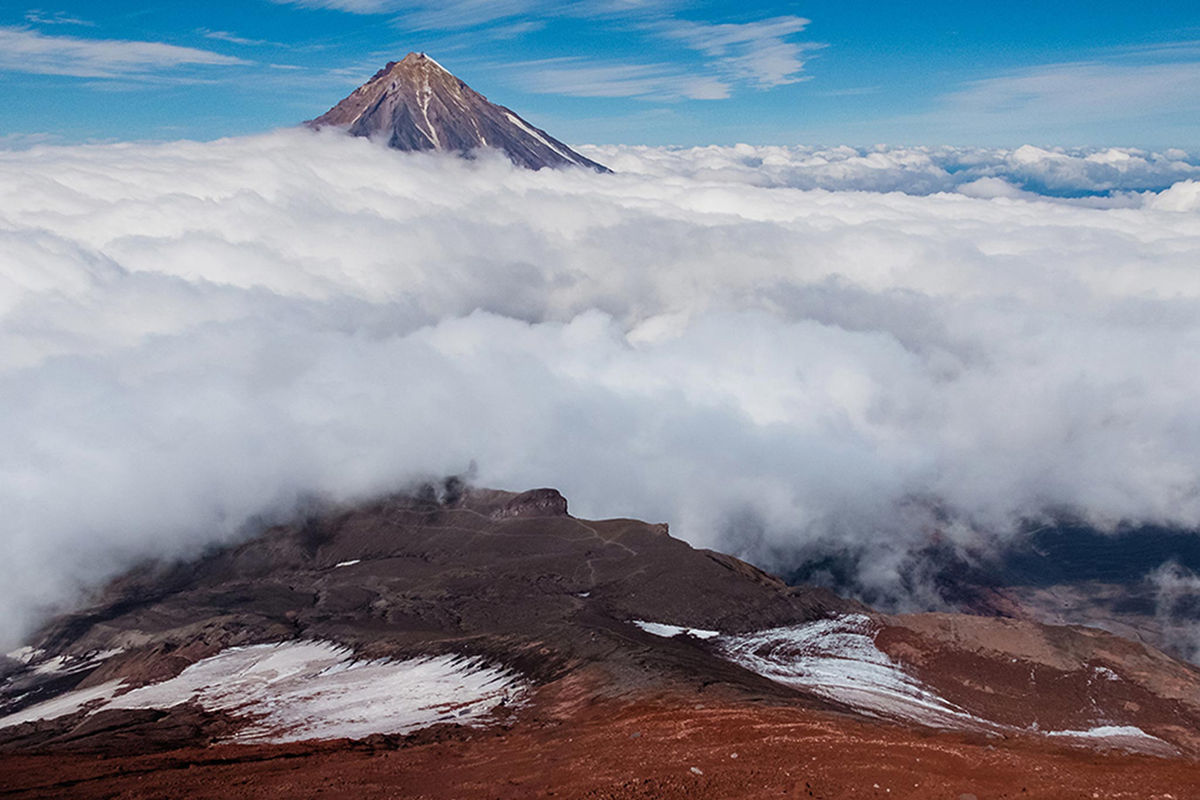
x: 416, y: 104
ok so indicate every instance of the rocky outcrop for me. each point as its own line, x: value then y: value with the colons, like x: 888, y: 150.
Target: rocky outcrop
x: 534, y: 503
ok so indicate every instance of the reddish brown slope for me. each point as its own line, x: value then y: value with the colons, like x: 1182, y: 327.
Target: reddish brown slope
x: 665, y: 748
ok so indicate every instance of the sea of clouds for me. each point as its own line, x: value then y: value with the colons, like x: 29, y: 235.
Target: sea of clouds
x: 781, y: 351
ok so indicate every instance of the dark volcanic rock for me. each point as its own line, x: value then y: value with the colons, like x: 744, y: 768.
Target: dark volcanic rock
x: 507, y: 577
x: 415, y: 104
x: 534, y: 503
x: 585, y: 611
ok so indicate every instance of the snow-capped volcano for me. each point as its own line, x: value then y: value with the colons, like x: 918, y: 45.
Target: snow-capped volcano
x: 416, y: 104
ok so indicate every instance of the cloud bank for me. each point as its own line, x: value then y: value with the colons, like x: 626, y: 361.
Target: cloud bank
x: 1116, y: 173
x: 742, y: 341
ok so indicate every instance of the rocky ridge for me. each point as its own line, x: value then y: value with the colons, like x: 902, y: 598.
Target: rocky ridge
x: 447, y: 609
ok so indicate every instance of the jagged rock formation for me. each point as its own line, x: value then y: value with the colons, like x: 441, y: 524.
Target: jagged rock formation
x: 416, y: 104
x: 534, y: 503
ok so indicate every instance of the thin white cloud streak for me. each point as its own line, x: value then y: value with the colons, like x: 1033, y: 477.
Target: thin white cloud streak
x: 1060, y: 95
x: 454, y: 14
x: 1182, y: 49
x: 755, y: 52
x: 466, y: 13
x: 39, y: 17
x: 351, y: 6
x: 196, y: 334
x: 233, y: 38
x: 578, y: 78
x: 25, y: 50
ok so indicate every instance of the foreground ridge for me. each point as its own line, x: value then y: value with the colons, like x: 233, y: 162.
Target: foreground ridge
x: 480, y: 625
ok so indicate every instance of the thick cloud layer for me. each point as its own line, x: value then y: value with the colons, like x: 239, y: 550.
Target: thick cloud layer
x: 196, y: 335
x: 1113, y: 173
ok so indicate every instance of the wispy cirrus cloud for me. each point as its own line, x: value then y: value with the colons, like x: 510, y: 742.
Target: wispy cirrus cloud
x: 456, y: 14
x: 39, y: 17
x: 232, y: 38
x: 425, y: 15
x: 351, y: 6
x: 428, y: 15
x: 579, y: 78
x: 1073, y: 93
x: 493, y: 9
x: 1183, y: 48
x: 26, y: 50
x: 758, y: 53
x: 515, y: 29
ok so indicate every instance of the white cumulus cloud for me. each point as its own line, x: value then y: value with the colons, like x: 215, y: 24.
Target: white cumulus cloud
x: 1060, y: 172
x: 748, y: 343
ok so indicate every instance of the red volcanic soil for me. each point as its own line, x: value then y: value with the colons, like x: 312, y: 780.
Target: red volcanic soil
x: 667, y: 747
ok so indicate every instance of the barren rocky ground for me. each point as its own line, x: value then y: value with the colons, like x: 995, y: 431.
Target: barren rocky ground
x: 474, y: 643
x: 669, y: 747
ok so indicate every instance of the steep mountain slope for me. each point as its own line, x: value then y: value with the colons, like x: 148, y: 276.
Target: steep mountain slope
x: 416, y: 104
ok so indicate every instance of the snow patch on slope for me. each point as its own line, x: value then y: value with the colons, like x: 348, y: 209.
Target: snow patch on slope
x: 316, y: 690
x: 520, y: 123
x: 669, y: 631
x: 311, y: 690
x: 25, y: 654
x: 434, y: 63
x: 837, y: 658
x: 64, y: 704
x: 67, y: 664
x: 1121, y: 737
x: 1106, y: 732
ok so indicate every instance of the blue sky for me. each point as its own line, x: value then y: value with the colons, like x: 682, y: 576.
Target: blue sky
x: 621, y: 71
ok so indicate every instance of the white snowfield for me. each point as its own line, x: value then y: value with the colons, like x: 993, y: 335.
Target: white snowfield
x: 1121, y: 737
x: 64, y: 704
x: 837, y: 659
x: 312, y: 690
x: 834, y: 658
x: 1107, y: 732
x: 65, y: 665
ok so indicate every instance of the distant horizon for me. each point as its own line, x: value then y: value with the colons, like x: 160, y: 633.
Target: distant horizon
x: 654, y: 73
x: 21, y: 141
